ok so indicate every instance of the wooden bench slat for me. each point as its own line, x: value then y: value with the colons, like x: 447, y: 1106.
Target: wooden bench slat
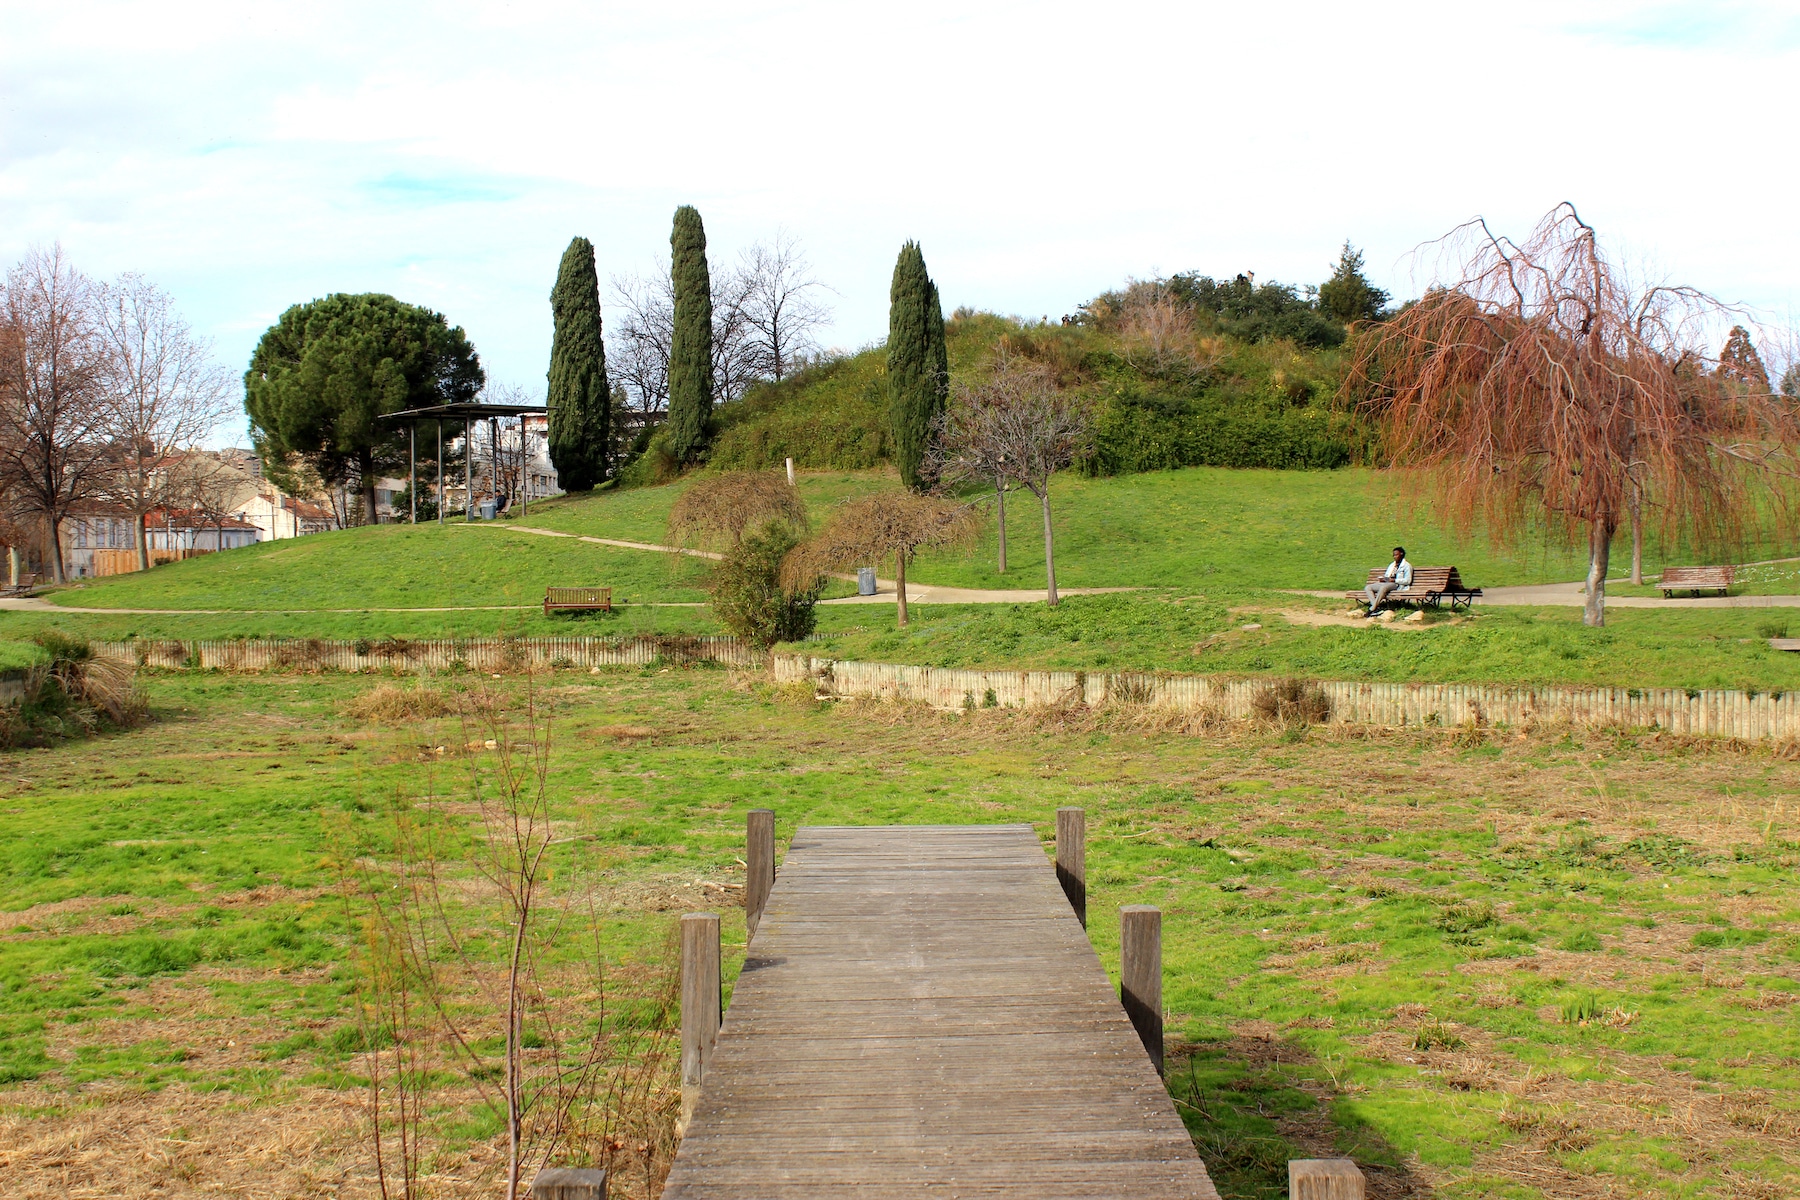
x: 1696, y: 579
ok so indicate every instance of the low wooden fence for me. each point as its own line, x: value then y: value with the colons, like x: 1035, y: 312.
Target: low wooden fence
x: 124, y: 562
x: 1752, y: 716
x: 493, y: 655
x: 1715, y: 713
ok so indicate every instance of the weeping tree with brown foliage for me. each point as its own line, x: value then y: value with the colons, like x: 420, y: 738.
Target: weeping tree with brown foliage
x: 756, y: 518
x: 716, y: 512
x: 1537, y: 383
x: 868, y: 529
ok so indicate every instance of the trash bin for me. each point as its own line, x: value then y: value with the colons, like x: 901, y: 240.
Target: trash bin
x: 487, y: 510
x: 865, y: 581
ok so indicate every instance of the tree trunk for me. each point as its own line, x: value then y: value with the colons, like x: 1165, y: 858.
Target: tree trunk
x: 1001, y: 493
x: 1637, y: 538
x: 143, y: 542
x: 1600, y: 531
x: 900, y: 584
x: 56, y: 560
x: 1049, y: 549
x: 366, y: 465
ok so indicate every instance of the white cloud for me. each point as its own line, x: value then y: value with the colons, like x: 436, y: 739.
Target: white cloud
x: 249, y: 157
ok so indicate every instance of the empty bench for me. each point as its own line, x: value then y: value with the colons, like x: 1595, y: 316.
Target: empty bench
x: 1696, y: 580
x: 577, y: 599
x: 1430, y: 587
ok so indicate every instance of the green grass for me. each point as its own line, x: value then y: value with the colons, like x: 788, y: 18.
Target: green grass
x: 1367, y: 942
x: 396, y: 566
x: 1202, y: 632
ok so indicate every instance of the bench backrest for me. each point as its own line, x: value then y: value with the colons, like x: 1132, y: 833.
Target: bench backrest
x: 577, y: 595
x: 1697, y: 576
x: 1426, y: 579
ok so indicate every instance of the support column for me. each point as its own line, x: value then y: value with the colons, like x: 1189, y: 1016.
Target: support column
x: 1140, y: 975
x: 702, y: 1000
x: 440, y: 471
x: 759, y: 869
x: 412, y: 470
x: 1324, y: 1179
x: 1071, y: 858
x: 569, y: 1183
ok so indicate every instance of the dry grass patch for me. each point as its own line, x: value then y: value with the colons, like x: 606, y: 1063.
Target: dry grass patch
x: 392, y: 704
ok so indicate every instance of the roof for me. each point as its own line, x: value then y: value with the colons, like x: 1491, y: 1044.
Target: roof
x: 467, y: 410
x: 191, y: 519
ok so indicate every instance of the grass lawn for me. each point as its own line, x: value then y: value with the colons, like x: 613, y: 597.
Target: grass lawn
x: 1513, y: 968
x: 396, y: 566
x: 1187, y: 528
x: 1204, y: 633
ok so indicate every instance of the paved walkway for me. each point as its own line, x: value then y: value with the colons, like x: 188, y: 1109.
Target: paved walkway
x: 921, y: 1015
x: 1572, y: 595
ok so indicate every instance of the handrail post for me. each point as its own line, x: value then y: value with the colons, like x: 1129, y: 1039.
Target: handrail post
x: 1140, y: 975
x: 1324, y: 1179
x: 702, y: 998
x: 569, y: 1183
x: 1071, y: 858
x: 759, y: 866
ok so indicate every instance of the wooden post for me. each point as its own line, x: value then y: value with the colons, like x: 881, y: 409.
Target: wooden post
x: 701, y: 1000
x: 1071, y: 858
x: 1324, y: 1179
x: 1140, y: 975
x: 759, y: 859
x: 569, y: 1183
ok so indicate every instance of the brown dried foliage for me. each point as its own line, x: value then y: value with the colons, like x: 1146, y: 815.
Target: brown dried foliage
x: 717, y: 511
x: 869, y: 529
x: 1538, y: 380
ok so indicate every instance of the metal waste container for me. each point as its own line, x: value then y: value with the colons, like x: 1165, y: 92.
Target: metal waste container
x: 487, y: 510
x: 865, y: 581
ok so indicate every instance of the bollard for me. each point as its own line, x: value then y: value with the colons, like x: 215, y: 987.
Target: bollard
x: 790, y: 469
x: 1140, y: 975
x: 759, y: 870
x: 1324, y: 1179
x: 701, y: 998
x: 569, y: 1183
x: 1071, y: 858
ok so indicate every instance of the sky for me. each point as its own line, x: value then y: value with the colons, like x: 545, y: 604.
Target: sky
x: 250, y: 157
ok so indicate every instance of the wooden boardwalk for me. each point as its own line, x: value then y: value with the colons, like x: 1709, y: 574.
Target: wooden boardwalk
x: 921, y: 1014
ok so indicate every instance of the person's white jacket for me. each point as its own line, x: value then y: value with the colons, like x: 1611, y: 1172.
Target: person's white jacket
x: 1400, y: 573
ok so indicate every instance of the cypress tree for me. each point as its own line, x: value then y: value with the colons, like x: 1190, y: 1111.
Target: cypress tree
x: 579, y: 396
x: 690, y: 347
x: 918, y: 362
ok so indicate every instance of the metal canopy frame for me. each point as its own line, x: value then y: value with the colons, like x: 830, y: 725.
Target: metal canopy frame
x: 467, y: 411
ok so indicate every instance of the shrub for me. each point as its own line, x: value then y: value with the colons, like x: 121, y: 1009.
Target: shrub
x: 747, y: 594
x: 1292, y: 702
x: 391, y: 704
x: 1149, y: 432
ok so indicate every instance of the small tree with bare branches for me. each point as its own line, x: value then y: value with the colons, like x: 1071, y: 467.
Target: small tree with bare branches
x: 1018, y: 424
x: 869, y: 529
x: 1537, y: 379
x: 756, y: 518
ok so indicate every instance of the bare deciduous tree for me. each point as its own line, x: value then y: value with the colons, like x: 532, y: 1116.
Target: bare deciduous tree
x: 1018, y: 424
x: 765, y: 310
x: 167, y: 394
x: 781, y: 305
x: 55, y: 450
x: 1536, y: 379
x: 868, y: 529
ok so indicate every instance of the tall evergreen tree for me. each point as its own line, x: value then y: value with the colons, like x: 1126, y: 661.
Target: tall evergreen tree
x: 918, y: 362
x: 1348, y: 295
x: 579, y: 397
x: 690, y: 347
x: 1740, y: 363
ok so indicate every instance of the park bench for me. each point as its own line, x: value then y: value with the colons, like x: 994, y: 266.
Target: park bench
x: 1695, y: 579
x: 27, y: 581
x: 1430, y: 587
x: 577, y: 599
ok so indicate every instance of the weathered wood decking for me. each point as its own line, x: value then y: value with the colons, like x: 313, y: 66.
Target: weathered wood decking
x: 921, y: 1014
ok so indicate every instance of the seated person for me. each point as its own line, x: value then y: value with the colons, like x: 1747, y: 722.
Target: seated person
x: 1397, y: 578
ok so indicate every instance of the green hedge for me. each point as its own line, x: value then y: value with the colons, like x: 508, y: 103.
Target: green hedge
x: 1159, y: 433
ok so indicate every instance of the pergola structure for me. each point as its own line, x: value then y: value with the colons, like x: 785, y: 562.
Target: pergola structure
x: 468, y: 412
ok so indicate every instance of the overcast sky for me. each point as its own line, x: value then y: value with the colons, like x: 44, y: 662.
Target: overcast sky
x: 248, y: 157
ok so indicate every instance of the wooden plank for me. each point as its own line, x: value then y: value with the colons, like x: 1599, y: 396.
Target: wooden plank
x: 920, y: 1013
